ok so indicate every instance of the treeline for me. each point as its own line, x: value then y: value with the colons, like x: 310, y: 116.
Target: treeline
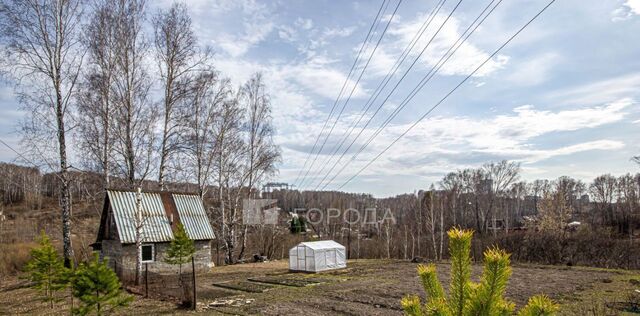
x: 136, y: 97
x: 546, y: 221
x: 536, y: 221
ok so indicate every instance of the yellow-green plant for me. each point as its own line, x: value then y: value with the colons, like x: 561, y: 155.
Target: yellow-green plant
x: 46, y: 269
x: 467, y: 298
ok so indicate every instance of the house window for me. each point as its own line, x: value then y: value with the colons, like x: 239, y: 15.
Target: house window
x: 147, y: 253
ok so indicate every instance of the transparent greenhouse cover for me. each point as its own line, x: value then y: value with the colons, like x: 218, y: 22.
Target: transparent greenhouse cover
x: 316, y: 256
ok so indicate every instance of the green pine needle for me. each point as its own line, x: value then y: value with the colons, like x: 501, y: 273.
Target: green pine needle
x: 467, y: 298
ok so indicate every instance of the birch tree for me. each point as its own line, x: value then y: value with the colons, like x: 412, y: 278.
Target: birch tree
x: 228, y: 158
x: 95, y: 101
x: 135, y: 117
x: 501, y: 176
x: 262, y: 154
x: 204, y: 106
x: 178, y: 57
x: 138, y: 224
x: 42, y: 45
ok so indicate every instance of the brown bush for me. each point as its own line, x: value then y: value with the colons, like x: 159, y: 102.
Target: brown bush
x: 582, y: 248
x: 14, y: 257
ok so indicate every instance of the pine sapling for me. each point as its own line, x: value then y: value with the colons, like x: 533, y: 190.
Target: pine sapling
x: 97, y: 288
x: 46, y: 269
x: 467, y: 298
x: 180, y: 250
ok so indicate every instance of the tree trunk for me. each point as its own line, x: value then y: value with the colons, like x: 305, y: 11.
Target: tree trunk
x: 65, y: 194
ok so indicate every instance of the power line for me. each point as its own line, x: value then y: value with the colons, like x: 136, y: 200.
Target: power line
x: 449, y: 93
x: 19, y: 154
x: 387, y: 98
x: 351, y: 93
x: 383, y: 84
x: 349, y: 98
x: 355, y: 62
x: 432, y: 72
x: 25, y: 158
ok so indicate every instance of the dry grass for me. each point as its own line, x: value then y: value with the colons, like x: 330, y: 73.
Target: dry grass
x: 366, y: 287
x: 14, y: 257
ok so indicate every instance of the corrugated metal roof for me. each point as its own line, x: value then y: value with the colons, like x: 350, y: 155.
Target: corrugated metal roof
x: 193, y: 217
x: 322, y: 244
x: 156, y: 226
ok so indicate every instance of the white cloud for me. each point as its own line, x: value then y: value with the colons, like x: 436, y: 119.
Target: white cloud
x: 322, y: 80
x: 534, y: 70
x: 600, y: 91
x: 255, y: 19
x: 237, y: 45
x: 287, y: 33
x: 305, y: 24
x: 338, y: 32
x: 447, y: 143
x: 628, y: 9
x: 466, y: 58
x: 633, y: 5
x: 532, y: 155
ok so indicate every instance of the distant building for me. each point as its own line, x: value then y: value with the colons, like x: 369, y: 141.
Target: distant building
x: 160, y: 213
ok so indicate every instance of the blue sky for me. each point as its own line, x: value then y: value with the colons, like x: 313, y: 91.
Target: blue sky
x: 561, y: 98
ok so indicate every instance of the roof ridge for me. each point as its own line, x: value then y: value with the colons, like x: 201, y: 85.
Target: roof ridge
x: 153, y: 191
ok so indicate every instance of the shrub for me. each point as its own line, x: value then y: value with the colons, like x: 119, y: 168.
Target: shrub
x: 46, y: 269
x: 466, y: 297
x: 97, y: 288
x: 14, y: 257
x: 181, y: 251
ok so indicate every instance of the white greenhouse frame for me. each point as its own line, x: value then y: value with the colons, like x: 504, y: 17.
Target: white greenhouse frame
x: 317, y: 256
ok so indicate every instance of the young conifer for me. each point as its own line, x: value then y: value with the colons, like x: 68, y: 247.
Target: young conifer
x: 46, y: 269
x: 467, y: 298
x: 180, y: 252
x: 181, y: 248
x: 97, y: 288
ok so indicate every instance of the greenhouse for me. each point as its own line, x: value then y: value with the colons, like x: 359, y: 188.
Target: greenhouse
x: 317, y: 256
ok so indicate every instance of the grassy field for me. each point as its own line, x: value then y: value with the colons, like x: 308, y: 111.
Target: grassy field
x: 366, y: 287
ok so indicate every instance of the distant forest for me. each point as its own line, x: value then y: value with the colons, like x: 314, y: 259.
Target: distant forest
x: 561, y: 221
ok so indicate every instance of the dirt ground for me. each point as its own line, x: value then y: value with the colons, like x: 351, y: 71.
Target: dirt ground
x: 366, y: 287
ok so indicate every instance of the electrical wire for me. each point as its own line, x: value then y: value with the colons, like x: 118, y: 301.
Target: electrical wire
x: 355, y: 62
x: 449, y: 93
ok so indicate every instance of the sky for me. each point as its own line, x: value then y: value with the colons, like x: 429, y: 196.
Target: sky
x: 561, y: 98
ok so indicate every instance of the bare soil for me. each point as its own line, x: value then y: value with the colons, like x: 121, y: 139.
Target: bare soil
x: 366, y: 287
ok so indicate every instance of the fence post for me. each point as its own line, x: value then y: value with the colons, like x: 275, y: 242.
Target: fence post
x: 146, y: 280
x: 193, y: 277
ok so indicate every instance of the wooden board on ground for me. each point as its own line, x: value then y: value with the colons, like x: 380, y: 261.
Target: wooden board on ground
x: 245, y: 286
x: 289, y: 281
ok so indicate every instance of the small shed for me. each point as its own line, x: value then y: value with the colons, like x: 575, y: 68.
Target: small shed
x: 317, y: 256
x: 160, y: 214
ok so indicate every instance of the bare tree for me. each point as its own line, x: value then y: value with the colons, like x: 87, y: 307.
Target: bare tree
x: 603, y: 191
x: 262, y: 154
x: 95, y: 100
x: 135, y: 117
x: 555, y: 207
x: 500, y: 175
x: 202, y: 109
x: 41, y: 40
x: 452, y: 184
x: 178, y: 57
x: 138, y: 225
x: 228, y: 152
x: 429, y: 204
